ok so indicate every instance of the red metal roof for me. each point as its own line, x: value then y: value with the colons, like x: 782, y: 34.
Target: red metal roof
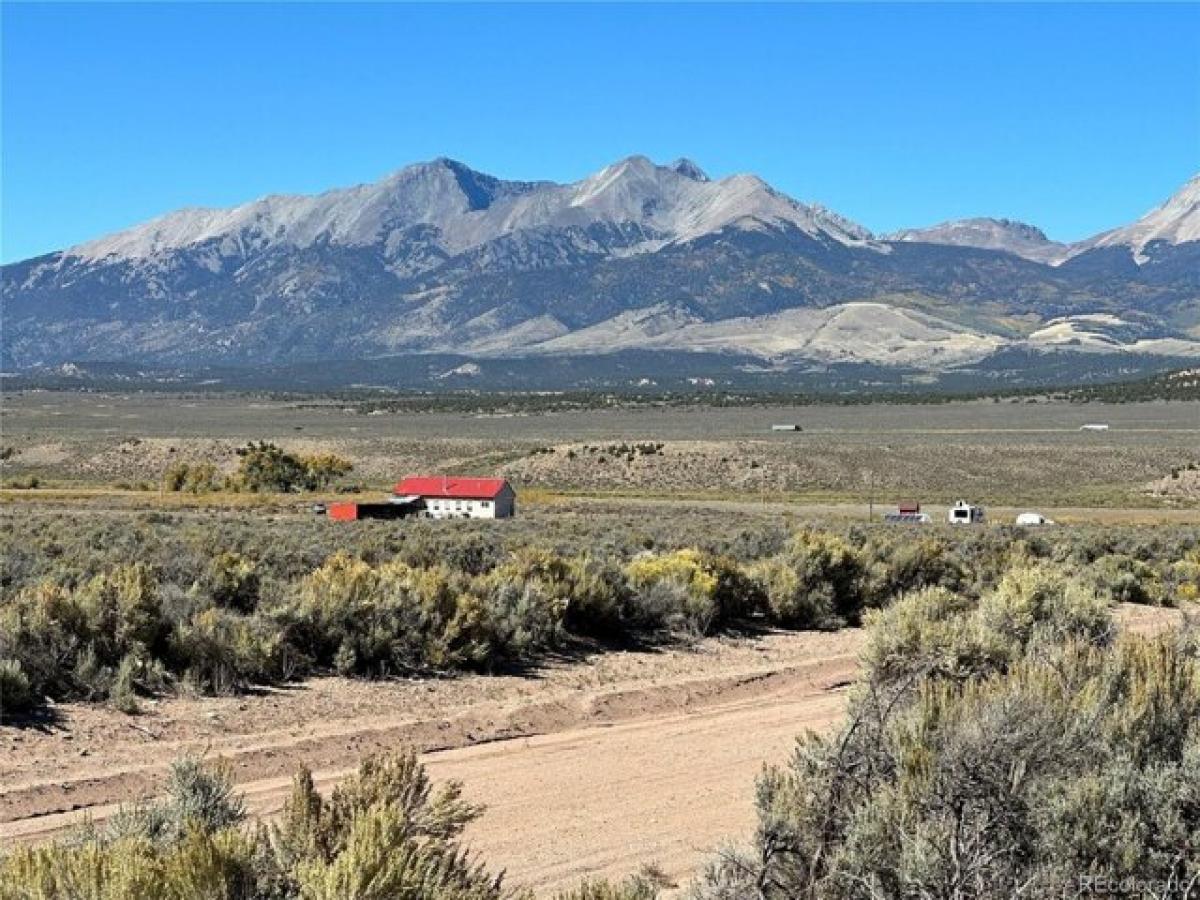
x: 452, y: 486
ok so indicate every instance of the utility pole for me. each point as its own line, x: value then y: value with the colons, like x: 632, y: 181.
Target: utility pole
x: 870, y: 495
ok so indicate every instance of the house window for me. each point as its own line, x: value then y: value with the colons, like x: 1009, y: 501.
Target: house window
x: 486, y: 504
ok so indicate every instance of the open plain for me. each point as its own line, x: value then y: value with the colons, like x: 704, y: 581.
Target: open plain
x: 1013, y: 453
x: 597, y: 760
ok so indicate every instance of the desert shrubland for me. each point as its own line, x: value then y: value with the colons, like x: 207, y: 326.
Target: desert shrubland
x: 117, y: 608
x: 1012, y: 746
x: 1004, y: 739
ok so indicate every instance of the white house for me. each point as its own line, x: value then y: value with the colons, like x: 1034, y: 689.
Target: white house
x: 453, y: 497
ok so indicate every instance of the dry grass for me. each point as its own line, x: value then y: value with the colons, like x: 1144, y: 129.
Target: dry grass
x: 1006, y: 454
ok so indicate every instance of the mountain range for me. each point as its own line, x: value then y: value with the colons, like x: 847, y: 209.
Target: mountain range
x: 440, y: 259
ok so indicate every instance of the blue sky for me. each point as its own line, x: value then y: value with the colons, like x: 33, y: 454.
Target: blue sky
x: 1075, y: 118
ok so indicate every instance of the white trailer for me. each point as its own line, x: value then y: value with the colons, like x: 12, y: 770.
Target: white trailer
x: 964, y: 513
x: 1033, y: 518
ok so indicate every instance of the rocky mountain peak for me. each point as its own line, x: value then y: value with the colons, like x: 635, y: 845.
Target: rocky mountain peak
x: 688, y: 169
x: 1175, y: 221
x: 985, y: 233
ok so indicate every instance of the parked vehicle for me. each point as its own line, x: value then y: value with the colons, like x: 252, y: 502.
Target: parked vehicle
x: 1033, y: 518
x: 964, y: 513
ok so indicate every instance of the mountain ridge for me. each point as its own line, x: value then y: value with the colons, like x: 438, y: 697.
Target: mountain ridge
x: 482, y: 209
x: 986, y: 233
x: 437, y: 257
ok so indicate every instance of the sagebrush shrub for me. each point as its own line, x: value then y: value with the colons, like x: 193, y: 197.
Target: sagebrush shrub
x: 1006, y: 748
x: 689, y: 590
x: 385, y: 834
x: 221, y: 652
x: 1043, y: 596
x: 193, y: 477
x: 816, y: 582
x: 635, y: 888
x: 16, y: 693
x: 233, y: 581
x: 123, y: 692
x: 199, y: 866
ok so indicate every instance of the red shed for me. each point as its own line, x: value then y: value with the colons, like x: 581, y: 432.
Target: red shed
x: 396, y: 508
x: 343, y: 512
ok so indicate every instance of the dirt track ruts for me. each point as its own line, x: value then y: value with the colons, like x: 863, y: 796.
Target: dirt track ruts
x: 588, y: 768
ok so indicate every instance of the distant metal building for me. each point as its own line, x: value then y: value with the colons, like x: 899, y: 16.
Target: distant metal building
x: 1094, y: 426
x: 908, y: 513
x: 786, y: 428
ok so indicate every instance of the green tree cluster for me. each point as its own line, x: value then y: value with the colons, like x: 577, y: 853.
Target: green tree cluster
x: 263, y: 467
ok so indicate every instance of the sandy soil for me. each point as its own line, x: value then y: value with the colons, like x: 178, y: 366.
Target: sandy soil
x: 585, y: 767
x: 589, y: 767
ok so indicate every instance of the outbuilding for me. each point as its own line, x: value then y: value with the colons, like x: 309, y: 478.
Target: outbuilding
x: 908, y: 512
x: 395, y: 508
x: 456, y: 497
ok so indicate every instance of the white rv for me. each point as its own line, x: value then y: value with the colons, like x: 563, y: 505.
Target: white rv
x: 964, y: 513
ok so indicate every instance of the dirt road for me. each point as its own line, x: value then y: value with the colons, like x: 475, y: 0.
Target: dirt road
x: 591, y: 767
